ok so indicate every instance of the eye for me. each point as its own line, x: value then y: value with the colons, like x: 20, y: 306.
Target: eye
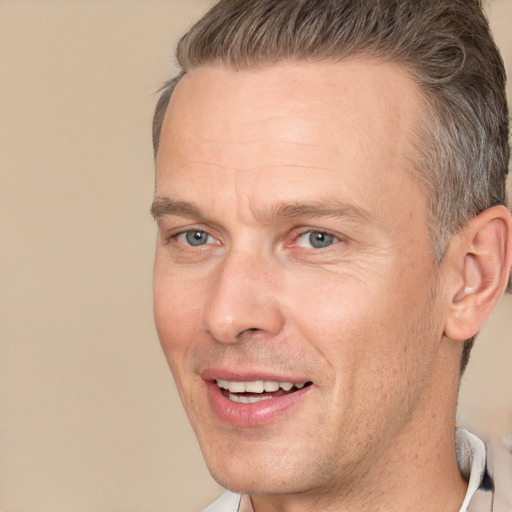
x: 316, y: 239
x: 195, y: 237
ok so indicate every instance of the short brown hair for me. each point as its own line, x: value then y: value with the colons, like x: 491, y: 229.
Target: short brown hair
x: 462, y: 150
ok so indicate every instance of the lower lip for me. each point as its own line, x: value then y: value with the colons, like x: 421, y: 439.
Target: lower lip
x: 255, y: 414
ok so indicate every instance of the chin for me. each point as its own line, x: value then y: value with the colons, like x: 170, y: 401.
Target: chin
x: 249, y: 484
x: 243, y: 474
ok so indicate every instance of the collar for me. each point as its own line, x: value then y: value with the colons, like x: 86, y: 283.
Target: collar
x: 471, y: 456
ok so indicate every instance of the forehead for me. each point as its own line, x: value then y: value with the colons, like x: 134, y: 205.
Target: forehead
x: 328, y: 87
x: 354, y: 120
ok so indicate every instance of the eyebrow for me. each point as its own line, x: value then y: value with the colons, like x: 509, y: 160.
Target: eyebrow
x: 166, y: 206
x: 328, y: 206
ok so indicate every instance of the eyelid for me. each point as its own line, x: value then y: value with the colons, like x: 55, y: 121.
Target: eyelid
x: 187, y: 231
x: 172, y: 235
x: 205, y: 231
x: 302, y: 232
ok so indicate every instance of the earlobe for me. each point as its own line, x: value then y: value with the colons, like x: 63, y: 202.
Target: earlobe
x: 481, y: 258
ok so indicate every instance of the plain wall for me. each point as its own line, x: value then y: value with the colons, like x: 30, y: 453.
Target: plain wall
x: 89, y: 418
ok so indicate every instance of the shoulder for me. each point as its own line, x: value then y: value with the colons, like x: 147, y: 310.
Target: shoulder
x: 228, y: 502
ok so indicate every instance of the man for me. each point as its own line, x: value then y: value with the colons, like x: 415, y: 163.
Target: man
x: 330, y: 197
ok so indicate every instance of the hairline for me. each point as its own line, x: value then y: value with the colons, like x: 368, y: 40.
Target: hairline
x: 421, y: 124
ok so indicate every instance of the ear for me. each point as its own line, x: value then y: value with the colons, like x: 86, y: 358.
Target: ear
x: 479, y: 261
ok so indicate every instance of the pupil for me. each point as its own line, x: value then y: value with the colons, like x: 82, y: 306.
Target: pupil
x: 319, y: 240
x: 196, y: 237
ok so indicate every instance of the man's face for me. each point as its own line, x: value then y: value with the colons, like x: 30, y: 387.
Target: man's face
x: 293, y: 249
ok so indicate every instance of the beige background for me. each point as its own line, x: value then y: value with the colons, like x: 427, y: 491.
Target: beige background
x: 89, y: 419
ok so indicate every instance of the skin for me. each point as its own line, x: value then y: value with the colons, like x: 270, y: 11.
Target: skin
x: 363, y: 319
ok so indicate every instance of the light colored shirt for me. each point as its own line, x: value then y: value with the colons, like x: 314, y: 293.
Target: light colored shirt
x: 488, y: 471
x: 495, y: 491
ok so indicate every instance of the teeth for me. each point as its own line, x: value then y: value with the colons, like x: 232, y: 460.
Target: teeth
x: 248, y: 399
x: 236, y: 387
x: 270, y: 386
x: 222, y: 384
x: 256, y: 386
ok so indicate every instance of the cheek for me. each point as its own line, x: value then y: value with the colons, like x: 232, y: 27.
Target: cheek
x: 338, y: 313
x: 373, y: 344
x: 176, y: 308
x: 365, y: 330
x: 340, y: 324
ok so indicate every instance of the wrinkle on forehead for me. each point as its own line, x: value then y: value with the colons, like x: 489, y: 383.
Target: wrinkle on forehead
x: 250, y: 134
x: 264, y: 110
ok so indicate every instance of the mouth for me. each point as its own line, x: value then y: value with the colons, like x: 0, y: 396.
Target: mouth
x: 254, y: 401
x: 252, y: 392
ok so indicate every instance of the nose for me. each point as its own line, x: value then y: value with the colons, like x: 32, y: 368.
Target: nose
x: 243, y: 298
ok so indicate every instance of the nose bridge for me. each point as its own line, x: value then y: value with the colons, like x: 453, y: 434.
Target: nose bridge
x: 241, y: 298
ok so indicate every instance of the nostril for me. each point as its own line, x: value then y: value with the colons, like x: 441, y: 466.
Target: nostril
x: 251, y: 330
x: 248, y: 332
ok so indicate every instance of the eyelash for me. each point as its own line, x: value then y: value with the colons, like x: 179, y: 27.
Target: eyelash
x: 174, y: 237
x: 194, y: 232
x: 334, y: 238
